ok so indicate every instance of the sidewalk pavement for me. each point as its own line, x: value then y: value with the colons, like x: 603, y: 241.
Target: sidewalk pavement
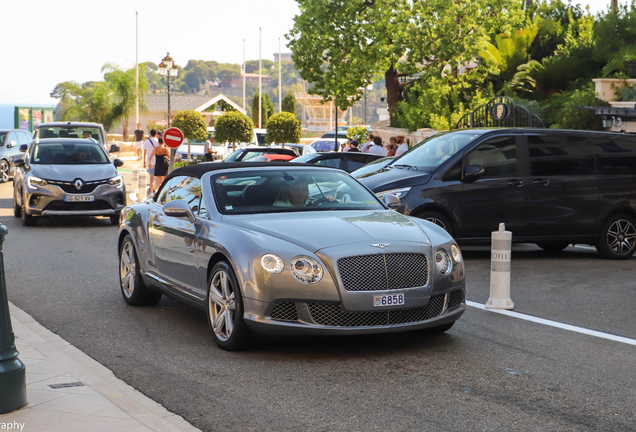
x: 98, y: 401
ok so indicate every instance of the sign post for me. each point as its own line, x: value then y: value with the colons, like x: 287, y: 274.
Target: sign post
x: 173, y: 138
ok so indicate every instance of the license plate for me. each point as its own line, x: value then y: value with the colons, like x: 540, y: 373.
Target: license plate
x: 79, y: 198
x: 388, y: 300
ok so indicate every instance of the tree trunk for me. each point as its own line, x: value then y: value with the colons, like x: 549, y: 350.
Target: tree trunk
x: 125, y: 132
x: 392, y: 93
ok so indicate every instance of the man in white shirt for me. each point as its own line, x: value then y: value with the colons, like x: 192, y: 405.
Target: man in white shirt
x: 149, y: 146
x: 377, y: 147
x: 366, y: 145
x: 403, y: 148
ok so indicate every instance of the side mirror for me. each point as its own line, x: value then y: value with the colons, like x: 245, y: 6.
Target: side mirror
x: 114, y: 148
x: 179, y: 208
x: 118, y: 162
x: 391, y: 201
x: 18, y: 163
x: 11, y: 144
x: 472, y: 173
x: 24, y: 148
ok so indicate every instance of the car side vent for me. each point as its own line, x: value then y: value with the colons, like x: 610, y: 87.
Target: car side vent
x: 285, y: 311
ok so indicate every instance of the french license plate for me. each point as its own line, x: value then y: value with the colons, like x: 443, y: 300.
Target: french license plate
x: 388, y: 300
x: 79, y: 198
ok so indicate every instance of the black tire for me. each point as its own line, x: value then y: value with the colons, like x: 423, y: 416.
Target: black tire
x: 27, y: 220
x: 553, y: 247
x: 225, y: 309
x: 17, y: 210
x: 133, y: 288
x: 617, y: 239
x: 114, y: 219
x: 437, y: 218
x: 4, y: 171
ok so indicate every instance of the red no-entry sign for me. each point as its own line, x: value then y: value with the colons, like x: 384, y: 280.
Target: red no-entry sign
x: 173, y: 137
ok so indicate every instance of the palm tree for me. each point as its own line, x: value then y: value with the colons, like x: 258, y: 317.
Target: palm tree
x: 123, y: 85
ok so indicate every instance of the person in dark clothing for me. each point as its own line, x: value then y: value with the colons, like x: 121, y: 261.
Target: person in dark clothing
x: 162, y: 162
x: 139, y: 141
x: 353, y: 146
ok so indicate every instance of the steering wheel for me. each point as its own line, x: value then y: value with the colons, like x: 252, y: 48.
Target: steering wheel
x: 318, y: 202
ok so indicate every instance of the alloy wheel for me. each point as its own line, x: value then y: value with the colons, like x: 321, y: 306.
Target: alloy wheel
x: 127, y: 269
x: 437, y: 222
x: 621, y: 237
x: 4, y: 171
x: 222, y: 305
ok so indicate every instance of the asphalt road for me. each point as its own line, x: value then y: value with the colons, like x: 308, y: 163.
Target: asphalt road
x: 489, y: 372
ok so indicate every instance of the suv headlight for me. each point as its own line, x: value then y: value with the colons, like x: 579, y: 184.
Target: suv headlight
x: 117, y: 181
x: 33, y: 182
x: 400, y: 193
x: 443, y: 261
x: 306, y: 269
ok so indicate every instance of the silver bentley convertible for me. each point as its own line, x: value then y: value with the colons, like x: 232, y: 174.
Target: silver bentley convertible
x: 288, y: 249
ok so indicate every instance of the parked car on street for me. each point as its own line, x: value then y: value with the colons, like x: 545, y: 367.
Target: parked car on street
x: 244, y: 154
x: 372, y: 166
x: 346, y: 161
x: 67, y: 177
x: 273, y: 157
x: 342, y: 134
x: 10, y: 142
x: 550, y: 187
x: 288, y: 249
x: 72, y: 129
x: 301, y: 149
x: 328, y: 145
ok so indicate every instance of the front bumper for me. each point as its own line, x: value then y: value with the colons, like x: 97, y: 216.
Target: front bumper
x: 329, y: 318
x: 49, y: 201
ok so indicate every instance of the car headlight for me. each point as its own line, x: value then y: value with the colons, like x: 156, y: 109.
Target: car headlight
x: 306, y: 269
x: 33, y: 182
x: 443, y: 261
x: 400, y: 193
x: 456, y: 254
x: 272, y: 263
x: 117, y: 181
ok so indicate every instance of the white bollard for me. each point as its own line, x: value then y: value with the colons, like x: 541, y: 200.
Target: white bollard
x: 500, y: 270
x: 135, y: 179
x: 143, y: 184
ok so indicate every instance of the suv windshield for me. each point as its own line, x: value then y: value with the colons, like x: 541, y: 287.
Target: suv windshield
x: 68, y: 153
x: 70, y: 132
x: 294, y: 190
x: 432, y: 152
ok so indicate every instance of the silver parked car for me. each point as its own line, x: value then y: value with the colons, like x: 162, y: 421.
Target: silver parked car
x: 285, y: 249
x: 67, y: 177
x: 10, y: 142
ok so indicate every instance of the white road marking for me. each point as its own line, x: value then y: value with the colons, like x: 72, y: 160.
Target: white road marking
x: 556, y: 324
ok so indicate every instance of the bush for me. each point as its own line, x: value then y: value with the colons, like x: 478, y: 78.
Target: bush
x: 289, y: 103
x: 233, y: 127
x: 563, y: 112
x: 192, y: 123
x: 180, y: 164
x: 358, y: 133
x: 283, y: 127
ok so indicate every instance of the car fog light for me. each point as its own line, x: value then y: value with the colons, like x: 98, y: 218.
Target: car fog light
x: 306, y: 269
x: 456, y: 253
x: 443, y: 261
x: 272, y: 263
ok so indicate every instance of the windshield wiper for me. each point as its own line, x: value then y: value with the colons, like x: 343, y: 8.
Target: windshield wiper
x: 405, y: 166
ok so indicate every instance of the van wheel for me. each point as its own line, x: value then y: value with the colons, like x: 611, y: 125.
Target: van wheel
x: 617, y: 239
x: 4, y: 171
x: 437, y: 218
x: 17, y: 209
x: 27, y: 220
x: 553, y: 247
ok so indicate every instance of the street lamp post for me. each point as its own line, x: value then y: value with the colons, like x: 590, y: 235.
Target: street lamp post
x: 168, y: 69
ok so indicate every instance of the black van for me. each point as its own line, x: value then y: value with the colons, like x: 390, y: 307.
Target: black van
x: 550, y: 187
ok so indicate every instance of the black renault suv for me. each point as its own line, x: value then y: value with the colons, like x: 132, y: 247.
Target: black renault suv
x: 550, y: 187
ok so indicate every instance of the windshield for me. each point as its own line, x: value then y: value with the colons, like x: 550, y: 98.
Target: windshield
x: 324, y: 145
x: 3, y: 135
x: 306, y: 158
x: 372, y: 166
x: 71, y: 132
x: 68, y: 153
x: 293, y: 190
x: 434, y: 151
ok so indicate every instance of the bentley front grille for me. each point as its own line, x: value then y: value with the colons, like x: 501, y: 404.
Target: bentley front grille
x: 285, y: 311
x: 455, y: 298
x: 383, y: 271
x: 332, y: 314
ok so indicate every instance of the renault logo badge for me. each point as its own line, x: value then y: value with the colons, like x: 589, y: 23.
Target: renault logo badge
x: 78, y: 184
x: 380, y: 245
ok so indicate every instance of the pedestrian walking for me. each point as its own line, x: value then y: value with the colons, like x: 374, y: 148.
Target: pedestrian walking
x: 377, y: 147
x: 366, y: 145
x: 139, y: 141
x: 161, y: 157
x: 208, y: 151
x: 149, y: 147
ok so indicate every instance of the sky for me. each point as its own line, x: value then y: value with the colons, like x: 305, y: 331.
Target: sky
x: 48, y: 42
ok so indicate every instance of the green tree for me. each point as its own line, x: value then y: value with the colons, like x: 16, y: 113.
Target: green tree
x: 234, y: 127
x: 283, y: 128
x: 90, y: 102
x: 540, y: 80
x: 563, y: 110
x: 123, y: 83
x: 289, y: 103
x: 358, y: 133
x: 267, y: 108
x: 193, y: 125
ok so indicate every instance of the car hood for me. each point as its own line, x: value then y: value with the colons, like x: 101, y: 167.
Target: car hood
x: 87, y: 172
x: 322, y: 229
x: 393, y: 178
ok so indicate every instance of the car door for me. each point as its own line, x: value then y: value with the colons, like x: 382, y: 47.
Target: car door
x: 497, y: 195
x: 330, y: 160
x: 562, y: 188
x: 173, y: 239
x: 355, y: 160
